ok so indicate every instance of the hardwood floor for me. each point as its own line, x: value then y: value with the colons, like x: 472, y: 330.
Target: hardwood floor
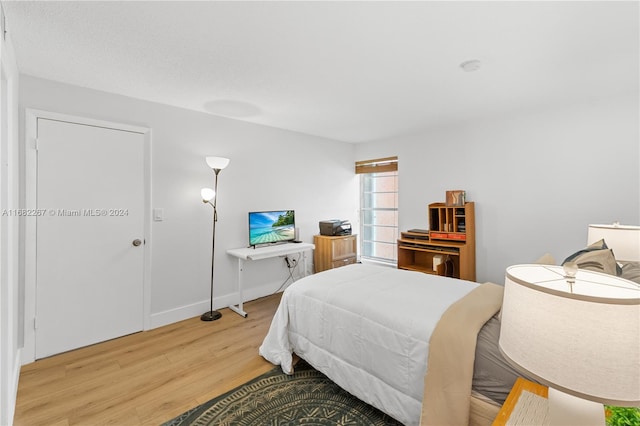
x: 149, y: 377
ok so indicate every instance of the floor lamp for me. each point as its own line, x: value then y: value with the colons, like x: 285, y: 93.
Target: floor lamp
x: 208, y: 194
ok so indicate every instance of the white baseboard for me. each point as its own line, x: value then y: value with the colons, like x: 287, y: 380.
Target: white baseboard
x: 379, y: 263
x: 196, y: 309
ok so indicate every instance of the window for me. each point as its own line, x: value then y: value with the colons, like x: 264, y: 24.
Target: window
x: 378, y: 209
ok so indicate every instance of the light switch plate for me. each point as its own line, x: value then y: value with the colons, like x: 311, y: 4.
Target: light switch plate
x: 158, y: 214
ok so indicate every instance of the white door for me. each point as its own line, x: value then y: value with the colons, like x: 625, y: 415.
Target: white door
x: 90, y: 201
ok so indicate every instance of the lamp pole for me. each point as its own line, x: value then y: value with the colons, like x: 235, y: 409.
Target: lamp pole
x: 212, y: 315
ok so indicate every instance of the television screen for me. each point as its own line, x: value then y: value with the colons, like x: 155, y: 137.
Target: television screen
x: 271, y: 227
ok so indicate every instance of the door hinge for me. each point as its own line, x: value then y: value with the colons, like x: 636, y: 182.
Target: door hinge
x: 35, y: 144
x: 35, y: 323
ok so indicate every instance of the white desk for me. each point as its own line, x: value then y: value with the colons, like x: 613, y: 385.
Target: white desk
x: 248, y: 253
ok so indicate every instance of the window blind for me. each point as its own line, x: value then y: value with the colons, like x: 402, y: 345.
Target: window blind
x: 378, y: 165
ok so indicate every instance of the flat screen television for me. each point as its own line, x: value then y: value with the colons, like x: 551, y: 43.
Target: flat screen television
x: 271, y: 227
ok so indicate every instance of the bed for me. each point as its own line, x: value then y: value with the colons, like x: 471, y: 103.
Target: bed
x: 393, y: 338
x: 422, y: 348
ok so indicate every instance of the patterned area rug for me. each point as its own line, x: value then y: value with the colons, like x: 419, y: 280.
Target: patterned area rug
x: 307, y: 397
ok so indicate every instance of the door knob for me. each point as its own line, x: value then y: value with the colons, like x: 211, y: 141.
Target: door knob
x: 137, y: 242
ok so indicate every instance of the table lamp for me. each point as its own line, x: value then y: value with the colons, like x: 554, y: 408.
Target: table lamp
x: 624, y: 240
x: 581, y: 338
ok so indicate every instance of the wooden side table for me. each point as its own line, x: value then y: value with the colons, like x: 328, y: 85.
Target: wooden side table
x: 526, y: 405
x: 334, y: 251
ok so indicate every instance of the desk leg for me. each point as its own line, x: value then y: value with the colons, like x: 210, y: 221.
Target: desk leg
x: 238, y: 309
x: 304, y: 263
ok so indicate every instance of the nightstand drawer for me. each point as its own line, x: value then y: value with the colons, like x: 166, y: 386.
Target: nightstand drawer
x: 343, y: 247
x: 343, y: 262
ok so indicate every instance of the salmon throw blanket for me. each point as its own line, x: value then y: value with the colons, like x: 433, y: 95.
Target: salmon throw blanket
x: 447, y: 384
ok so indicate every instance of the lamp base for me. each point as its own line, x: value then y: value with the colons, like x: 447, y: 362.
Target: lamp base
x: 210, y: 316
x: 568, y: 410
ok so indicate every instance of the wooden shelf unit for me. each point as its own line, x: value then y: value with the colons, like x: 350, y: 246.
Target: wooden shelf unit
x: 447, y: 223
x: 451, y: 235
x: 333, y: 252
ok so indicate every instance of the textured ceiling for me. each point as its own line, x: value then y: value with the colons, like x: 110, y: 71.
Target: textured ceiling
x: 351, y: 71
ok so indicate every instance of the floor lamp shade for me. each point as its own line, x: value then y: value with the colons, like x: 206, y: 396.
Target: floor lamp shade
x: 207, y: 194
x: 217, y: 162
x: 624, y: 240
x: 580, y: 337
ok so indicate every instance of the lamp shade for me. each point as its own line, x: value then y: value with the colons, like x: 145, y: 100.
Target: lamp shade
x: 624, y: 240
x: 207, y: 194
x: 583, y: 341
x: 217, y: 162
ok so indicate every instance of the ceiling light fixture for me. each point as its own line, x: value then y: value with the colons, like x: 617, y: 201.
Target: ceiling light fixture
x: 471, y: 65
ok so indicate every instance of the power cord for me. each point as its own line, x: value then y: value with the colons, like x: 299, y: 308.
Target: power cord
x: 292, y: 264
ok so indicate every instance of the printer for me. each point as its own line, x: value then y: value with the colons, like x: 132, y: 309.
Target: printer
x: 335, y: 227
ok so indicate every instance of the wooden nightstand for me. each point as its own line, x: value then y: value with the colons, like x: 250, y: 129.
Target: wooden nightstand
x: 333, y: 252
x: 528, y: 410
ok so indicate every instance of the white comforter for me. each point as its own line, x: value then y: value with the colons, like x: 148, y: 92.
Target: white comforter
x: 367, y: 328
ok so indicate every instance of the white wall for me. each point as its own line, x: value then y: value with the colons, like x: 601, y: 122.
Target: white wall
x: 10, y: 322
x: 537, y: 178
x: 270, y: 169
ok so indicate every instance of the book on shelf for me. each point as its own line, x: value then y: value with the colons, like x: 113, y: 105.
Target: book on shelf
x: 419, y: 231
